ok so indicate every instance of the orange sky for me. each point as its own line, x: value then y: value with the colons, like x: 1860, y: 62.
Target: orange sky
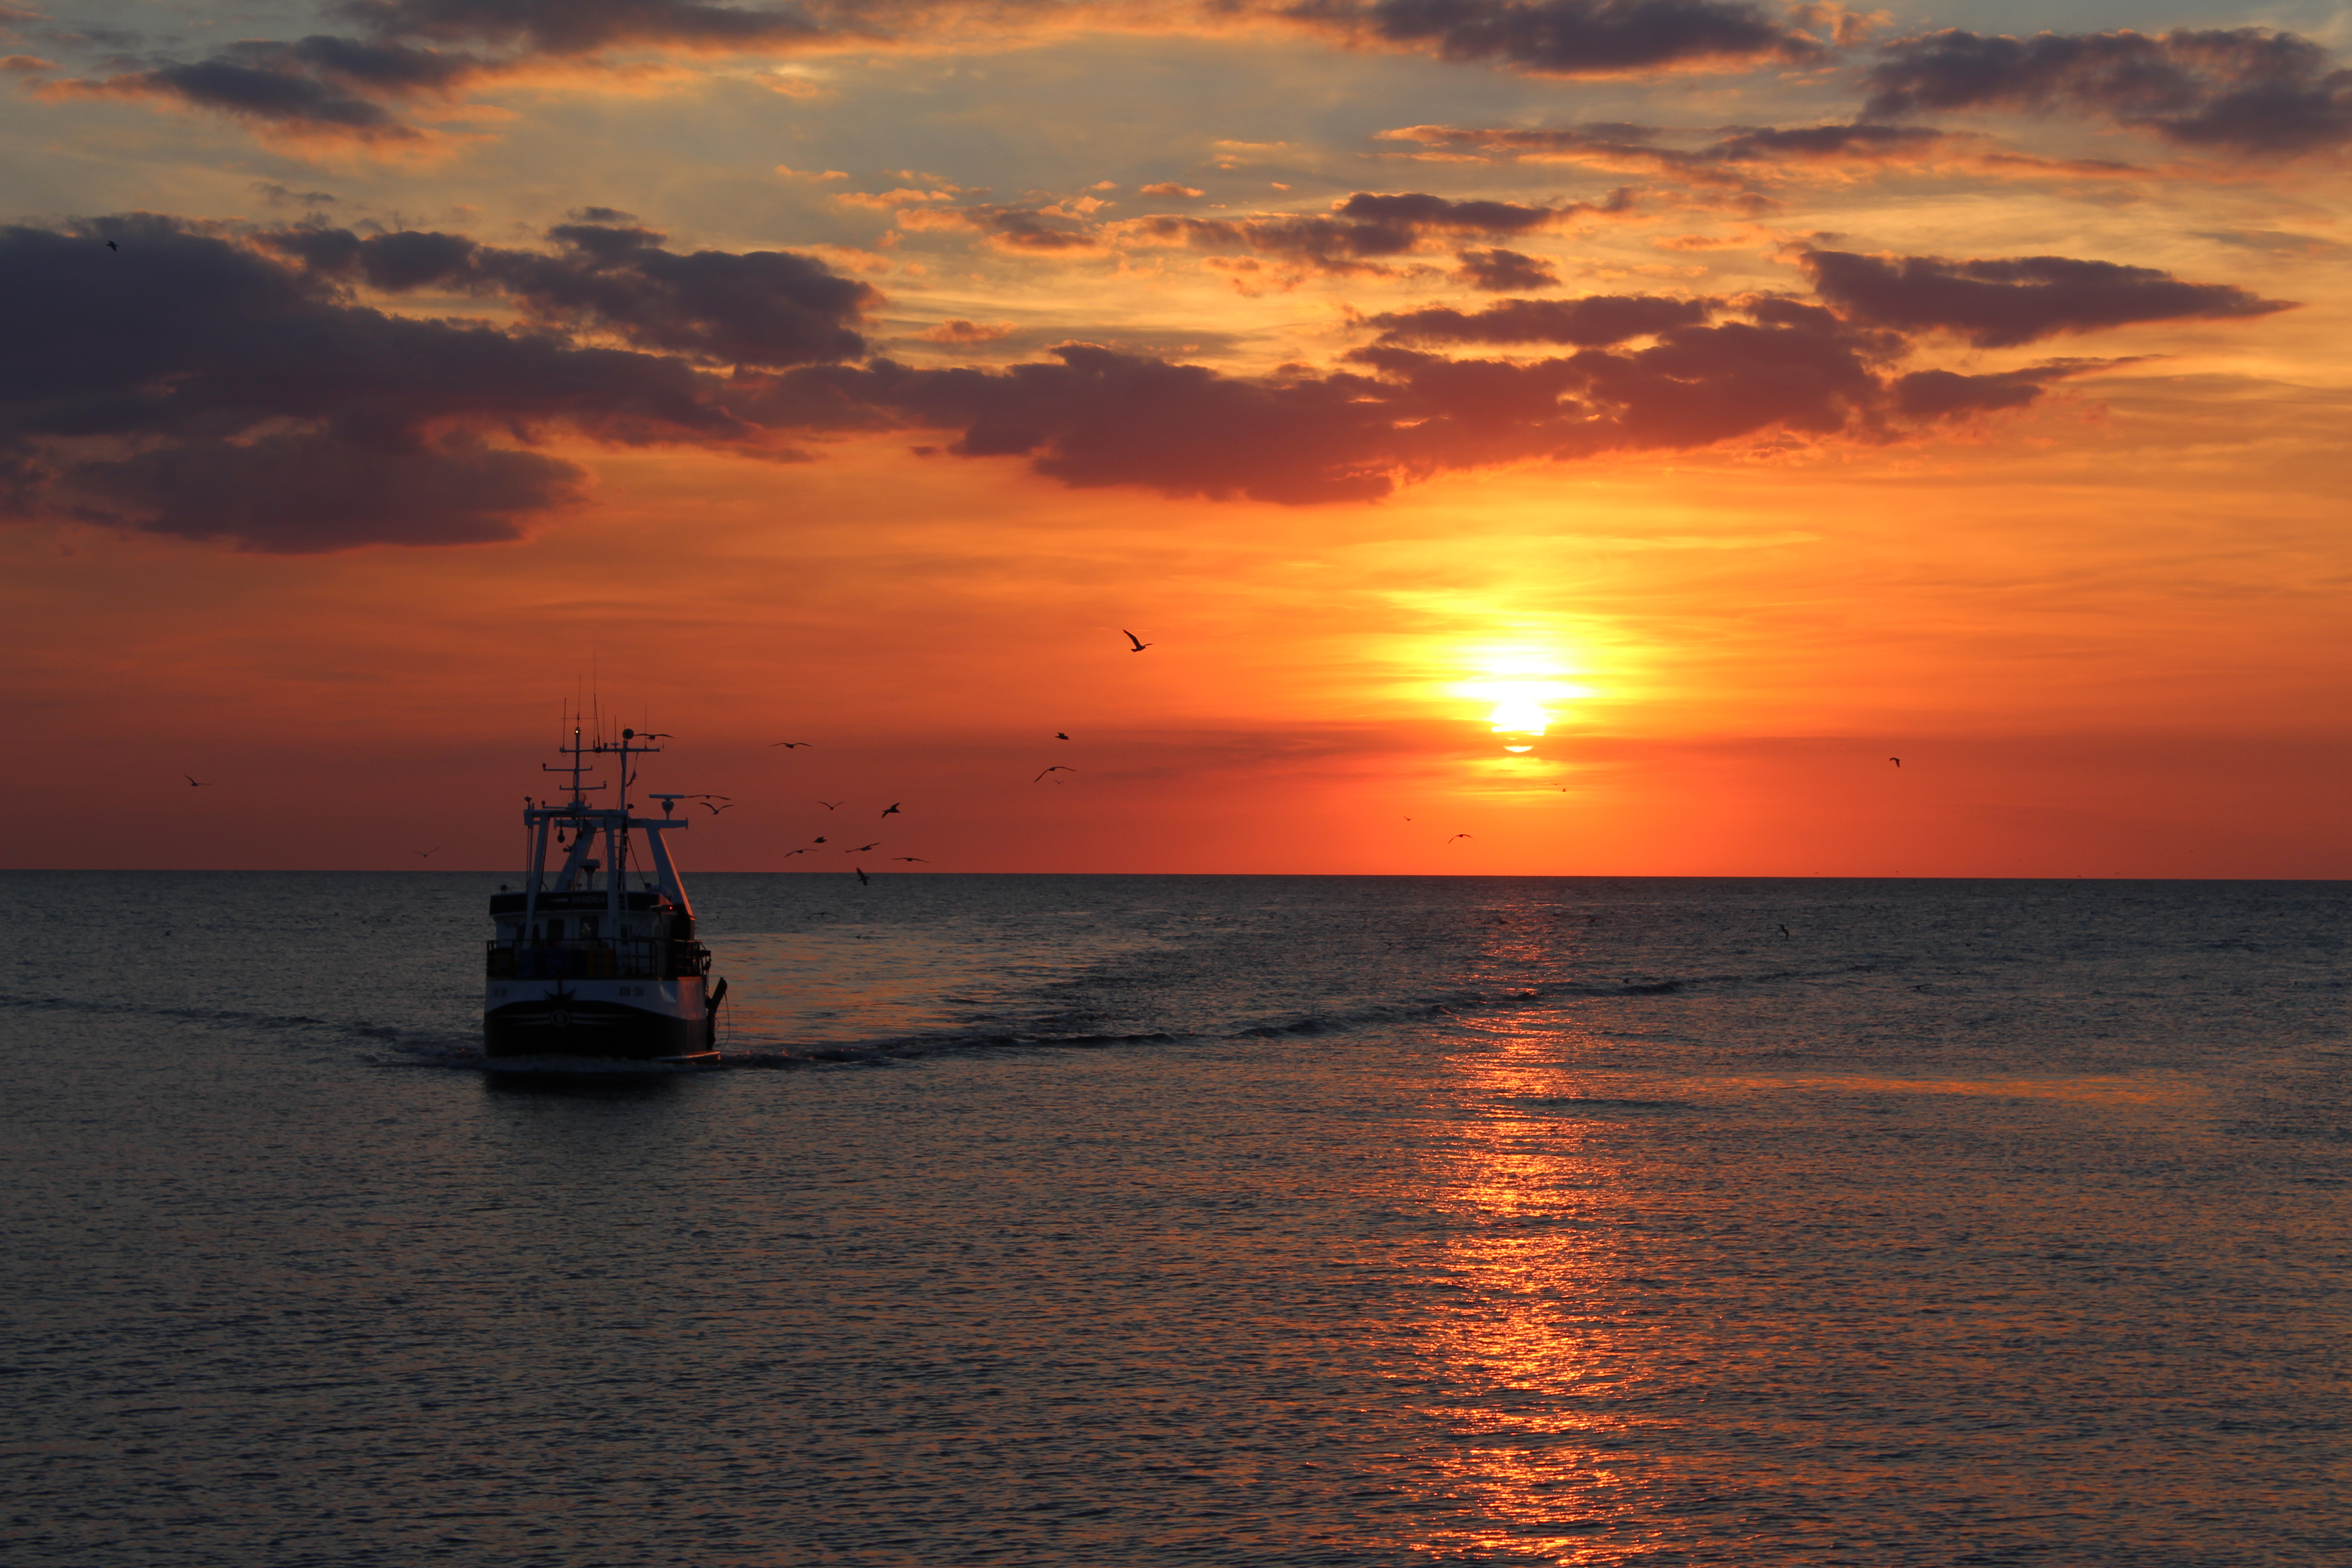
x: 2096, y: 606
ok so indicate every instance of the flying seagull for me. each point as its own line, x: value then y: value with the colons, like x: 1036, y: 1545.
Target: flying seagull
x: 426, y: 854
x: 1059, y: 736
x: 111, y: 246
x: 863, y: 847
x: 832, y: 804
x: 818, y: 839
x: 195, y: 782
x: 1784, y: 931
x: 1460, y: 835
x: 1057, y: 768
x: 790, y: 853
x: 918, y: 858
x: 862, y: 878
x: 893, y: 810
x: 1896, y: 761
x: 789, y: 745
x: 715, y: 810
x: 1139, y: 644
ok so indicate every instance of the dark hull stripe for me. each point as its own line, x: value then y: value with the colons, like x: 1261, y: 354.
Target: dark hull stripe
x: 595, y: 1029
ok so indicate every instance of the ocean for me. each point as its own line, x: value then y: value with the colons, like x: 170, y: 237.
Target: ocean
x: 1234, y: 1220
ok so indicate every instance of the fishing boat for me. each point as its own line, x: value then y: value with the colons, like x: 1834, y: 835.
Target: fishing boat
x: 598, y: 958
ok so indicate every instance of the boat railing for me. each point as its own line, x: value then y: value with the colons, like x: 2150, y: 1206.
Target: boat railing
x: 596, y: 958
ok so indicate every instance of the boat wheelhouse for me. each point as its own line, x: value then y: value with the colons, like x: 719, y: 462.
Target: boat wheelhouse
x: 598, y: 957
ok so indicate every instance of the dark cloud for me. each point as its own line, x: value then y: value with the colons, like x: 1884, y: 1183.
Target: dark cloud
x: 1569, y: 37
x: 1929, y: 395
x: 1595, y: 321
x: 762, y: 308
x: 2244, y: 90
x: 1370, y: 226
x: 347, y: 88
x: 581, y: 26
x: 2001, y: 303
x: 212, y: 382
x: 1827, y: 144
x: 306, y: 493
x: 193, y: 384
x: 1099, y: 417
x: 318, y: 86
x: 1639, y: 147
x: 1497, y: 271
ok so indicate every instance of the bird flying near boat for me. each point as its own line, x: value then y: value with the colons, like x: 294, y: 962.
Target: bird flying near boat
x: 863, y: 847
x: 426, y: 854
x: 1460, y: 836
x: 892, y: 810
x: 802, y: 850
x: 195, y: 782
x: 1057, y: 768
x: 1896, y: 761
x: 1059, y: 736
x: 1139, y: 644
x: 111, y: 246
x: 789, y: 745
x: 916, y: 859
x: 715, y: 810
x: 862, y: 878
x: 833, y: 804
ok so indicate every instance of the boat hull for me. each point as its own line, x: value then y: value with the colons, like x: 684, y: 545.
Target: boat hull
x: 608, y: 1021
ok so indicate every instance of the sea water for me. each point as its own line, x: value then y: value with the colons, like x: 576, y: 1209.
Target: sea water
x: 1140, y: 1220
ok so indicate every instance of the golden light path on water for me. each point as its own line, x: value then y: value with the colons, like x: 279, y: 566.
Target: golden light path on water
x: 1525, y: 1351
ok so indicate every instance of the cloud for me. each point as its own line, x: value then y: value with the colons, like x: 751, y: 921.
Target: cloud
x: 1095, y: 416
x: 1568, y: 37
x: 2001, y: 303
x: 1497, y: 271
x: 2245, y: 89
x: 319, y: 86
x: 1738, y: 157
x: 1368, y: 226
x: 1593, y: 322
x: 330, y: 87
x: 762, y: 308
x: 1171, y: 189
x: 583, y: 26
x: 958, y: 331
x: 194, y: 383
x: 211, y: 382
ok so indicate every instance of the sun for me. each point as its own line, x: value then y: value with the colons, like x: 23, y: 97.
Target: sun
x: 1523, y: 686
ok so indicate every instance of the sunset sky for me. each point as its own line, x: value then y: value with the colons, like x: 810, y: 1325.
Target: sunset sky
x: 1746, y: 395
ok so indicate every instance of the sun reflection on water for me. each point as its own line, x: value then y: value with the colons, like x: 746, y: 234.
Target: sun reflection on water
x: 1531, y: 1366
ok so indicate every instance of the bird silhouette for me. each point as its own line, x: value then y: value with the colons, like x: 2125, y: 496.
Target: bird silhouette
x: 1139, y: 644
x: 818, y: 839
x: 790, y: 853
x: 892, y: 809
x: 863, y: 847
x: 425, y: 854
x: 715, y: 810
x: 832, y: 804
x: 789, y: 745
x: 111, y: 246
x: 1059, y: 736
x: 1460, y: 836
x: 1896, y: 761
x: 1784, y: 931
x: 862, y: 878
x: 656, y: 735
x: 1055, y: 769
x: 195, y: 782
x: 916, y: 859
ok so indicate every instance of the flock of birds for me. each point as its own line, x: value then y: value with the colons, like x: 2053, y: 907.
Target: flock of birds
x: 894, y: 809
